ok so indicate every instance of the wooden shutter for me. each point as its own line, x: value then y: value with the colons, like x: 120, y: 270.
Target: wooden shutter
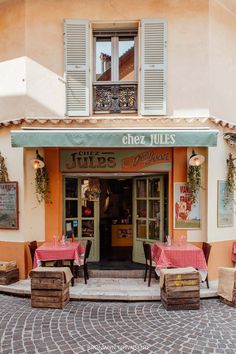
x: 77, y: 67
x: 153, y: 66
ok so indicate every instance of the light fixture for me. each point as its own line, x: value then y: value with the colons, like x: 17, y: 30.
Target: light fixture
x: 196, y: 159
x: 38, y: 162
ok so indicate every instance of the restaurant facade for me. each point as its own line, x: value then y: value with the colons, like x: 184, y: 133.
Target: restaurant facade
x: 115, y: 99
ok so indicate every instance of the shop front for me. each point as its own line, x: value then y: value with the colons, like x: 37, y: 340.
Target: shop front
x: 115, y: 186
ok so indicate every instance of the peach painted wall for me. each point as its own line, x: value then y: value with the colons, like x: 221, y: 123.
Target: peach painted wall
x: 222, y: 58
x: 44, y: 53
x: 12, y: 59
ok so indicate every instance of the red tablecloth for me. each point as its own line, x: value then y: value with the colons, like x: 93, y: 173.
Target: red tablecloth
x: 178, y: 256
x: 234, y: 252
x: 57, y: 251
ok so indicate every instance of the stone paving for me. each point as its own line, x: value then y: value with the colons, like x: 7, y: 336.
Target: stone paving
x: 115, y: 327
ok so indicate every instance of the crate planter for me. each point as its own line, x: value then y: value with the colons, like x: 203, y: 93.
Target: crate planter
x: 50, y: 287
x: 9, y: 273
x: 180, y: 289
x: 227, y: 286
x: 8, y: 277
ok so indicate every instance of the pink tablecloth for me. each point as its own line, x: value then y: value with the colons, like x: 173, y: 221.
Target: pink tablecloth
x: 50, y: 251
x: 179, y: 256
x: 234, y: 252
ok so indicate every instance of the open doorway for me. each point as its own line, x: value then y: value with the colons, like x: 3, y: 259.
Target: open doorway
x: 116, y: 231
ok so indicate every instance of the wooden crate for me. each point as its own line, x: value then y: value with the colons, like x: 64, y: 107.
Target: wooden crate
x: 49, y: 289
x: 5, y: 266
x: 9, y: 276
x: 181, y: 291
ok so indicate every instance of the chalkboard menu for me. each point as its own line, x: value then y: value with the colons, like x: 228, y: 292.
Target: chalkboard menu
x: 9, y: 205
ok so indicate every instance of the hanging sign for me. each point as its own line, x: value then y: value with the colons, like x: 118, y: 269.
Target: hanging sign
x: 123, y: 160
x: 9, y: 205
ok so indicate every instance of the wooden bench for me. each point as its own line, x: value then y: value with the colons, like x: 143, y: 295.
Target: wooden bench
x: 180, y: 289
x: 50, y: 287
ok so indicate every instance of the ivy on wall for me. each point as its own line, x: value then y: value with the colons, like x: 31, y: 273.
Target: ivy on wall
x: 42, y: 187
x: 194, y: 181
x: 3, y: 170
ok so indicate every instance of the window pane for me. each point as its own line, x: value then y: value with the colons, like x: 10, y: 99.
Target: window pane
x: 141, y: 209
x: 103, y: 59
x: 71, y: 209
x: 87, y: 228
x: 141, y: 188
x: 154, y: 187
x: 154, y: 230
x: 154, y: 209
x: 88, y: 209
x: 126, y: 59
x: 71, y: 228
x: 71, y: 188
x: 141, y: 228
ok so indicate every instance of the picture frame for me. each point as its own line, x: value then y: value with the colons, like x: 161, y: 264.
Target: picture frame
x: 186, y: 212
x: 9, y: 205
x: 225, y: 206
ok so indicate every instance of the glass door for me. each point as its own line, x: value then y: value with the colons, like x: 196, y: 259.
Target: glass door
x: 148, y: 213
x: 81, y: 214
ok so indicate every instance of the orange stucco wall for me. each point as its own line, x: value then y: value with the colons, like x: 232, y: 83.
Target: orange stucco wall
x: 179, y: 175
x: 53, y: 211
x: 16, y: 251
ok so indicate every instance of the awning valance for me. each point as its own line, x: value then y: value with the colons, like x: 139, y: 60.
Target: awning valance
x: 121, y: 138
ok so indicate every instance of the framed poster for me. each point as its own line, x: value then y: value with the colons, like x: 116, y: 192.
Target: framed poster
x: 9, y: 205
x: 186, y: 212
x: 225, y: 206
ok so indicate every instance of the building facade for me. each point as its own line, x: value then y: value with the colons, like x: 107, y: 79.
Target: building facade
x: 116, y: 96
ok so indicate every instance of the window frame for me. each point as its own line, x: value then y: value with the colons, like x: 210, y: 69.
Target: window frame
x: 115, y: 58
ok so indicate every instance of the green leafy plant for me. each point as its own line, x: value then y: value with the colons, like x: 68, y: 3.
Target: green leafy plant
x: 3, y: 170
x: 231, y: 182
x: 194, y: 181
x: 42, y: 187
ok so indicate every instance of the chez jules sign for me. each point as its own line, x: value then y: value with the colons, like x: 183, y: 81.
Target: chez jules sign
x: 108, y: 160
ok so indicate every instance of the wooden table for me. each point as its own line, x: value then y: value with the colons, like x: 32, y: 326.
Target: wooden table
x: 50, y: 251
x: 179, y: 256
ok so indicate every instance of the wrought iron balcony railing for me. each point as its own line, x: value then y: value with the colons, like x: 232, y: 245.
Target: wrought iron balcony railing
x: 115, y: 98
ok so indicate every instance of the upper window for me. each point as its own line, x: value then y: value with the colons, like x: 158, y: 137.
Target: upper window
x: 115, y: 59
x: 115, y: 71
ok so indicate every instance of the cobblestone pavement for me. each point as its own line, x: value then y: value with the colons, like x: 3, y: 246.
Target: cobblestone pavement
x: 101, y: 327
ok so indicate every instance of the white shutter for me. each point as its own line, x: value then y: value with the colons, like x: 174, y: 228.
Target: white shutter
x: 77, y: 67
x: 153, y: 66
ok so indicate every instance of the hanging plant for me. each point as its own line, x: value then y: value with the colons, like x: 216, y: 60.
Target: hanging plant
x: 231, y: 183
x: 194, y: 181
x: 3, y: 170
x: 42, y: 187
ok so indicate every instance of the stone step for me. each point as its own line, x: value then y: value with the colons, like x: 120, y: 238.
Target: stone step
x: 98, y: 273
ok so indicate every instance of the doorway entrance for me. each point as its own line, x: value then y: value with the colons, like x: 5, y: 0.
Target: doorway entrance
x: 116, y: 227
x: 117, y: 213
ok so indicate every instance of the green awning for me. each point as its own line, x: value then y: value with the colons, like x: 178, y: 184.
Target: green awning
x: 120, y: 138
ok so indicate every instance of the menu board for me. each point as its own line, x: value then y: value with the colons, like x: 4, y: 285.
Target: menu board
x: 9, y: 205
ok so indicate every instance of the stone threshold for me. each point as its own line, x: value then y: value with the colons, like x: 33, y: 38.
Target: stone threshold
x: 108, y: 289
